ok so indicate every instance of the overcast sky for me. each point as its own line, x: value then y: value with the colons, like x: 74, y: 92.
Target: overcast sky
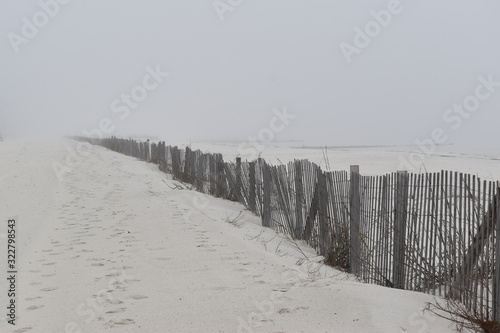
x: 350, y: 77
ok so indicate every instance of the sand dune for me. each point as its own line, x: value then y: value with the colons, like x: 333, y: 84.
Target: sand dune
x: 113, y: 247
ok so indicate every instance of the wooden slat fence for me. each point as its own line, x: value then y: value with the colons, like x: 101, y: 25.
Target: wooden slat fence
x: 435, y: 233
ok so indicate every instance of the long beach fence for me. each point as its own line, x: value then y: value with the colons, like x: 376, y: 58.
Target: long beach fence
x: 435, y: 233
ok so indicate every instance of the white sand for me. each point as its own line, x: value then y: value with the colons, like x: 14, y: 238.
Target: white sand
x: 112, y: 248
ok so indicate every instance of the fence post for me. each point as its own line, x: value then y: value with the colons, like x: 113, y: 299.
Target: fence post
x: 239, y: 196
x: 299, y: 199
x: 212, y: 174
x: 323, y: 214
x: 400, y: 219
x: 192, y: 168
x: 355, y: 213
x: 168, y: 159
x: 187, y: 164
x: 201, y: 172
x: 221, y: 177
x: 161, y: 156
x: 157, y: 153
x: 148, y: 152
x: 496, y: 279
x: 226, y: 183
x: 267, y: 187
x: 176, y: 162
x: 153, y: 152
x: 251, y: 199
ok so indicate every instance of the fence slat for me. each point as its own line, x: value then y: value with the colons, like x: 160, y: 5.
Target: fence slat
x: 354, y: 209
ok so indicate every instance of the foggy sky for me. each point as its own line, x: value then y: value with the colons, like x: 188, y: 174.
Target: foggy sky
x: 227, y: 76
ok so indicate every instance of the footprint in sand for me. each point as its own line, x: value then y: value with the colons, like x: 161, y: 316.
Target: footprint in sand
x: 96, y: 259
x: 218, y: 288
x: 288, y: 310
x: 68, y: 228
x: 218, y: 245
x: 113, y: 301
x: 117, y: 310
x: 33, y: 307
x: 157, y: 249
x: 112, y: 323
x: 231, y: 258
x: 138, y: 297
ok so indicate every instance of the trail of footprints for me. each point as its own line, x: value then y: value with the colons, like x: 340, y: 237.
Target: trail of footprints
x: 86, y: 223
x: 242, y: 264
x: 106, y: 220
